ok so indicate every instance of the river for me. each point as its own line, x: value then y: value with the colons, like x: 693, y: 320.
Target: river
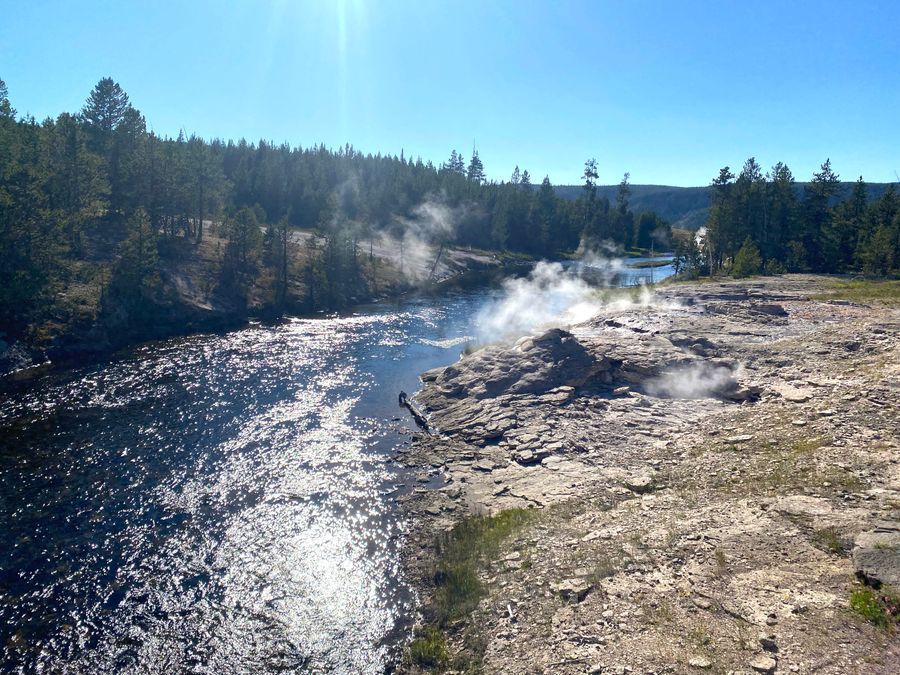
x: 220, y: 503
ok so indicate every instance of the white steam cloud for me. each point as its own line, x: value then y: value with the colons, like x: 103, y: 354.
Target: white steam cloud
x: 414, y: 243
x: 549, y: 296
x: 555, y: 295
x: 695, y: 380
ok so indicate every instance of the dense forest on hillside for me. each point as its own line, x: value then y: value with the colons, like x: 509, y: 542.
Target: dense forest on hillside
x: 95, y: 200
x: 103, y: 222
x: 688, y: 207
x: 760, y: 222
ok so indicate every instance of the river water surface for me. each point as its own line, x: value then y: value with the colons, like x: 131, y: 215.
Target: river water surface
x: 219, y: 503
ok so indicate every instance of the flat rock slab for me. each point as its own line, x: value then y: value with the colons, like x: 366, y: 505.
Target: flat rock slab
x: 876, y: 555
x: 793, y: 394
x: 484, y: 465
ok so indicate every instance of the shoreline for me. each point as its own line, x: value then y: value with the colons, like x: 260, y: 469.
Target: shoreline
x: 20, y: 363
x: 665, y: 533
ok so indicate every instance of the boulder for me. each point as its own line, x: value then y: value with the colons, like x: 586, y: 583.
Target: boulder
x: 762, y: 663
x: 641, y: 483
x: 876, y: 555
x: 573, y: 590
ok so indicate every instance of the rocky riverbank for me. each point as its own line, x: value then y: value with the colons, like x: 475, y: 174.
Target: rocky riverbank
x: 708, y: 473
x: 190, y: 298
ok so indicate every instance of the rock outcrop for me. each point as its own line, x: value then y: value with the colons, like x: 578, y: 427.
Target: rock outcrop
x: 703, y: 464
x: 876, y: 555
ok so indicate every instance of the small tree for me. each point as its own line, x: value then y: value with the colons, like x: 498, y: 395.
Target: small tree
x: 877, y: 255
x: 688, y: 260
x: 136, y: 272
x: 747, y: 261
x: 475, y: 174
x: 106, y: 106
x: 244, y: 240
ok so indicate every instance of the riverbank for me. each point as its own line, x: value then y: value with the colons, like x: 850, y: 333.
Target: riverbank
x: 693, y: 482
x: 82, y: 325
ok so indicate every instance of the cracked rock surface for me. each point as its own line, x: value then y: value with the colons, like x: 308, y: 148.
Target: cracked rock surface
x: 710, y: 470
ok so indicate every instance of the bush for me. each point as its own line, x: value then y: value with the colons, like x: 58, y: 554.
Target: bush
x: 429, y: 650
x: 747, y: 261
x: 774, y: 267
x: 880, y: 609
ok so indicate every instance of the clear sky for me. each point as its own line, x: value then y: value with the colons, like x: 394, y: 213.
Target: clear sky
x: 669, y: 91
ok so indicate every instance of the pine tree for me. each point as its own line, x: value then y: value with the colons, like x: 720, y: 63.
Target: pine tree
x: 590, y: 176
x: 821, y: 248
x: 6, y: 109
x: 526, y: 181
x: 782, y: 213
x: 546, y: 204
x: 720, y: 224
x: 105, y: 107
x: 475, y: 173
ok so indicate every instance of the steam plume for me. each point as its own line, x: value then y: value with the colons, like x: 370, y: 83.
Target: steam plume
x: 696, y: 380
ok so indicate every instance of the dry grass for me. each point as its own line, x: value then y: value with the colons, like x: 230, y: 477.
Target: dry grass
x: 863, y: 291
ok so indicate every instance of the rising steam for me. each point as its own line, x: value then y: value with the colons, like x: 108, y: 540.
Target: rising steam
x: 414, y: 242
x: 549, y: 296
x: 554, y: 295
x: 696, y: 380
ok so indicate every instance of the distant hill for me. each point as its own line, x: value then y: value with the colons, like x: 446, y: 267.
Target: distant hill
x: 685, y: 207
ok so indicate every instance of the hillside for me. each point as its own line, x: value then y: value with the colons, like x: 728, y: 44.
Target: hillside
x: 687, y: 207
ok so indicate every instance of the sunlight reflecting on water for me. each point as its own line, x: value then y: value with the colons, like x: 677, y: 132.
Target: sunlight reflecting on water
x: 216, y: 503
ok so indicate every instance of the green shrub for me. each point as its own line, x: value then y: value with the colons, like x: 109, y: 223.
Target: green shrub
x: 429, y: 650
x: 774, y: 267
x: 747, y: 261
x: 879, y: 608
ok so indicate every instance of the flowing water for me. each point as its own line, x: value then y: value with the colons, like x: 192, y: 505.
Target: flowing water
x: 219, y: 503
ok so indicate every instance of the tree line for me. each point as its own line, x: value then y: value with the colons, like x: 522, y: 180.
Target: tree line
x: 97, y: 193
x: 762, y: 223
x: 97, y: 184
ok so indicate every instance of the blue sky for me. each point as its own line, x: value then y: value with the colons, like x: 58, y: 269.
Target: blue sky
x: 669, y: 91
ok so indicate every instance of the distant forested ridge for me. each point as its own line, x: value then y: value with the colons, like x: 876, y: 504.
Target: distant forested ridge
x: 688, y: 207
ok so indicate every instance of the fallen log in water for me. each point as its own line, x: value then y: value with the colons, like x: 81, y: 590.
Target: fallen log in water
x: 417, y: 414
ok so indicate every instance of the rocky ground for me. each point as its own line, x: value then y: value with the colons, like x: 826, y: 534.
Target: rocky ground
x: 711, y: 470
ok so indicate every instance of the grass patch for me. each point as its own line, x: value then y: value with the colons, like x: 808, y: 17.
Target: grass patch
x: 461, y: 552
x: 429, y: 650
x: 721, y: 563
x: 805, y: 445
x: 660, y: 615
x: 881, y: 608
x: 603, y: 569
x: 624, y: 293
x: 863, y: 291
x: 830, y: 540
